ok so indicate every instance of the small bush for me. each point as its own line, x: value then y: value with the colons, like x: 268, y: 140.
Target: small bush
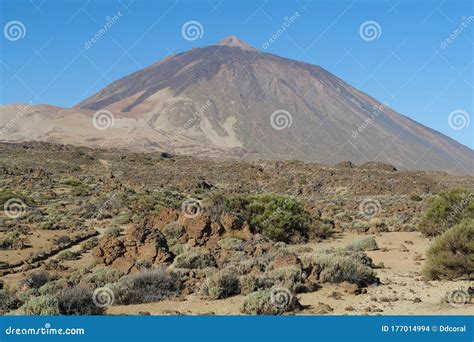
x: 223, y: 284
x: 46, y: 305
x: 194, y: 258
x: 279, y: 217
x: 89, y: 244
x: 37, y: 279
x: 101, y: 277
x: 291, y: 278
x: 77, y: 301
x: 269, y: 302
x: 446, y: 210
x: 113, y: 231
x: 72, y: 182
x: 173, y: 232
x: 67, y: 255
x: 230, y: 243
x: 366, y: 244
x: 8, y: 300
x: 337, y: 266
x: 249, y: 283
x: 415, y: 197
x: 148, y: 286
x: 451, y: 255
x: 12, y: 240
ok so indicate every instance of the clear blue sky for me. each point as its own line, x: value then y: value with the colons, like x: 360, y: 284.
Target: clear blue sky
x: 405, y: 66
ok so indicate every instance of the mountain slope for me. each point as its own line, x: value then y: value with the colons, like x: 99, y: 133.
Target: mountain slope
x: 231, y: 99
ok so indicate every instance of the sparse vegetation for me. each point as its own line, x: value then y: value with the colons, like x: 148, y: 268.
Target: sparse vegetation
x: 148, y: 286
x: 446, y: 210
x: 223, y: 284
x: 451, y: 255
x: 77, y: 301
x: 262, y: 303
x: 46, y: 305
x: 194, y: 258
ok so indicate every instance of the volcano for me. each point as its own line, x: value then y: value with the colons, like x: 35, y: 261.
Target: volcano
x: 231, y: 100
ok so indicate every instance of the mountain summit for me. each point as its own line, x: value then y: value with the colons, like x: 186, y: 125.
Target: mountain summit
x: 234, y: 41
x: 232, y: 100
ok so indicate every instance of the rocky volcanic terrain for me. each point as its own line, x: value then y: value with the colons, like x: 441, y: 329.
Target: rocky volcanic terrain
x: 96, y: 231
x: 232, y: 100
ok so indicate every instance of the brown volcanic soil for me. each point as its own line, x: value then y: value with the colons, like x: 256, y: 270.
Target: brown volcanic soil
x: 41, y: 171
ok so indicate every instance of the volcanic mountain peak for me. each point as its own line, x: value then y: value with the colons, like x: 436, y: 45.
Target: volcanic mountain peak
x: 235, y: 42
x: 231, y: 99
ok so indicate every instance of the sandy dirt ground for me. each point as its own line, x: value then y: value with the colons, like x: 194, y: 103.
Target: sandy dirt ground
x: 402, y: 292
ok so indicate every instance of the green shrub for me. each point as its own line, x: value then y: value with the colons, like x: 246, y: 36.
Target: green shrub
x: 8, y: 300
x: 275, y: 301
x: 249, y: 283
x: 366, y: 244
x: 72, y: 182
x: 194, y: 258
x: 37, y: 279
x: 279, y: 217
x: 101, y: 277
x: 451, y: 254
x: 89, y: 244
x: 148, y: 286
x: 446, y: 210
x: 5, y: 195
x: 291, y: 278
x: 67, y: 255
x: 415, y: 197
x: 173, y: 231
x: 77, y: 301
x: 81, y: 190
x: 12, y: 240
x: 46, y: 305
x: 223, y: 284
x: 112, y: 231
x: 337, y: 266
x: 230, y: 243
